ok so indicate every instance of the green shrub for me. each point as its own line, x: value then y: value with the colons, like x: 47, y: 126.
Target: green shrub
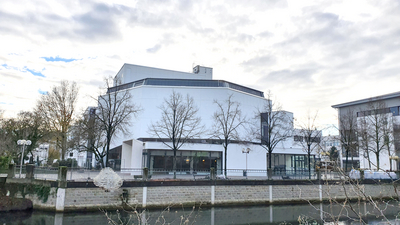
x: 68, y: 163
x: 4, y: 161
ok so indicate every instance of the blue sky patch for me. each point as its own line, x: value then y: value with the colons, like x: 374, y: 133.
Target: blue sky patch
x: 57, y: 59
x: 42, y: 92
x: 35, y: 73
x: 9, y: 67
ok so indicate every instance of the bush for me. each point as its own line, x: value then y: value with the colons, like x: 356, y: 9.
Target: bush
x: 68, y: 163
x: 4, y: 161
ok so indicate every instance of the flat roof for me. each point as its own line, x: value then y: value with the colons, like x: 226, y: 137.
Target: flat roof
x: 366, y: 100
x: 186, y: 83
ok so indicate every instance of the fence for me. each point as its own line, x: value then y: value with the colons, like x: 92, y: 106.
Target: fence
x: 82, y: 174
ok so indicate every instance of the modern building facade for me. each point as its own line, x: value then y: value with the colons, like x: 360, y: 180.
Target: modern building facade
x: 149, y: 87
x: 377, y: 123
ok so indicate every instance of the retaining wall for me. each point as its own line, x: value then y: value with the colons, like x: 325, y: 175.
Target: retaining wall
x: 151, y: 194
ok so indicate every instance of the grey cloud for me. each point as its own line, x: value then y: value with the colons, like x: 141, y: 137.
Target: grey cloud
x: 291, y: 76
x: 260, y: 5
x: 265, y: 34
x: 98, y: 24
x: 154, y: 49
x: 259, y: 61
x: 244, y: 38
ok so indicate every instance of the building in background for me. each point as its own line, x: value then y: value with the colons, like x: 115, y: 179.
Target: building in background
x: 41, y: 154
x: 150, y: 86
x: 377, y: 123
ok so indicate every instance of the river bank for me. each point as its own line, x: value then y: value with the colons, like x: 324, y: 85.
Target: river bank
x: 78, y: 196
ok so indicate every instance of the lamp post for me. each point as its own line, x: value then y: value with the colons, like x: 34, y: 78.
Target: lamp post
x: 23, y: 143
x: 246, y: 151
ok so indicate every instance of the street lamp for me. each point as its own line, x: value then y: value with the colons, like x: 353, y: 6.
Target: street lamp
x: 23, y: 143
x: 246, y: 151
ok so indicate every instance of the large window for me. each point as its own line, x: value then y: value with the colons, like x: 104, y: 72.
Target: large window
x: 186, y: 161
x: 290, y: 163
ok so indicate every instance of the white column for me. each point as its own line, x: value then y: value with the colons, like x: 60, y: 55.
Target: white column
x: 320, y: 192
x: 212, y: 194
x: 144, y: 197
x: 270, y: 193
x: 60, y: 200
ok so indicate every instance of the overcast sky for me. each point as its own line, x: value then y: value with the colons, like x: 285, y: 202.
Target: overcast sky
x: 310, y: 54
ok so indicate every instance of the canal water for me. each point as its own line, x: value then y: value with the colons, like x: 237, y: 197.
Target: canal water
x: 275, y: 214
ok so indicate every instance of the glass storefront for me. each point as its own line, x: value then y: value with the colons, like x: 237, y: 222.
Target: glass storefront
x: 187, y: 162
x: 285, y: 163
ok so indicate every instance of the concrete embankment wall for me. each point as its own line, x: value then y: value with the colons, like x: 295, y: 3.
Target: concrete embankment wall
x: 152, y: 194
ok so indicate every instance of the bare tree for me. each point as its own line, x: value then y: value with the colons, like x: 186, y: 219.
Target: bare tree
x: 57, y: 107
x: 377, y: 130
x: 348, y: 134
x: 228, y: 119
x: 276, y: 126
x: 388, y: 137
x: 310, y: 137
x: 114, y: 112
x: 364, y: 139
x: 87, y: 136
x: 179, y: 123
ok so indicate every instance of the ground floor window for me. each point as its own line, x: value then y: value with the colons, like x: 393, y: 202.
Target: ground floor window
x: 351, y: 164
x: 187, y: 162
x: 286, y: 163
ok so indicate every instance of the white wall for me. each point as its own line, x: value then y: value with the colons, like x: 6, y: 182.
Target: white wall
x: 150, y: 98
x: 129, y: 73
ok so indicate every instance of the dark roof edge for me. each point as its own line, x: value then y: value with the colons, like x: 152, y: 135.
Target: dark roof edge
x: 365, y: 100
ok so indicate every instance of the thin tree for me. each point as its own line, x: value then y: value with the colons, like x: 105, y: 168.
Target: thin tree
x: 87, y: 136
x: 179, y: 123
x: 57, y: 107
x: 228, y: 119
x: 276, y: 126
x: 311, y: 137
x: 114, y: 112
x: 348, y: 134
x: 364, y: 139
x: 388, y: 137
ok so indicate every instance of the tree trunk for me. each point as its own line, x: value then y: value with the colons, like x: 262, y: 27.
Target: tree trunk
x: 108, y: 149
x: 309, y: 162
x: 269, y: 159
x: 174, y: 164
x: 377, y: 160
x: 225, y: 159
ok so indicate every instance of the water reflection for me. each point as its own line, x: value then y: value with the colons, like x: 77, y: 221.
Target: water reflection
x: 277, y: 214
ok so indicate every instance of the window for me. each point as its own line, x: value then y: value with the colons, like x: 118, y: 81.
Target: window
x: 394, y: 110
x: 298, y: 138
x: 71, y: 154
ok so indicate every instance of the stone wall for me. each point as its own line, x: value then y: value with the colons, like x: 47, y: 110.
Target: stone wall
x: 152, y: 194
x: 228, y: 194
x: 186, y: 195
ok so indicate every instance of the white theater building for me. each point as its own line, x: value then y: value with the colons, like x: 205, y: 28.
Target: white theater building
x: 150, y: 86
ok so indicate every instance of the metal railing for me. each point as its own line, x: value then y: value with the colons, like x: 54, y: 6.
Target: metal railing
x: 82, y: 174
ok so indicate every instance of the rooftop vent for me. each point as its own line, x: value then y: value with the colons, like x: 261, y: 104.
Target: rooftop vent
x: 202, y: 70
